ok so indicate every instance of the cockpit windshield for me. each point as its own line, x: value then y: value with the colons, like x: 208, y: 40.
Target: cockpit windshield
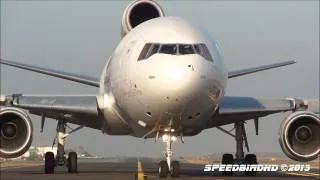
x: 185, y: 49
x: 175, y: 49
x: 155, y: 48
x: 168, y: 49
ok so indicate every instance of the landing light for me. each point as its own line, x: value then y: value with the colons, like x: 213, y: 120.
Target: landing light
x: 108, y: 100
x: 167, y: 130
x: 173, y: 138
x: 165, y: 137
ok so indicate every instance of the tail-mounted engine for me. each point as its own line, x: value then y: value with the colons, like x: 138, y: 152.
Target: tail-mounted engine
x: 299, y: 136
x: 16, y: 132
x: 138, y: 12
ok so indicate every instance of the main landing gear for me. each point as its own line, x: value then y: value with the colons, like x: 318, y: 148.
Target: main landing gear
x: 240, y: 137
x: 167, y: 166
x: 60, y: 160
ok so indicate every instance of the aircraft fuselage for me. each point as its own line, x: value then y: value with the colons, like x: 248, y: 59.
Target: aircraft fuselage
x: 174, y: 84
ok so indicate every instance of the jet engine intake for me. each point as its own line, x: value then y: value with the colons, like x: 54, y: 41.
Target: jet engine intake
x: 16, y: 132
x: 138, y: 12
x: 299, y: 136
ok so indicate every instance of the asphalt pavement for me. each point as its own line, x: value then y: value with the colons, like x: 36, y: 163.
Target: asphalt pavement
x: 90, y: 170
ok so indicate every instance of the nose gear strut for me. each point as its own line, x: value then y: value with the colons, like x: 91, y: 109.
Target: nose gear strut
x: 168, y: 166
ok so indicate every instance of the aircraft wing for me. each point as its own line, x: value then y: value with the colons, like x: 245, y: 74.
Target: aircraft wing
x: 52, y: 72
x: 234, y: 109
x: 246, y: 71
x: 75, y: 109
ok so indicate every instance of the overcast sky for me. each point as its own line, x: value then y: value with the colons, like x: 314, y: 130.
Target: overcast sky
x: 79, y: 36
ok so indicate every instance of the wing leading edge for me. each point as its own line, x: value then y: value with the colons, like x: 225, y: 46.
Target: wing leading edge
x: 95, y: 82
x: 83, y: 79
x: 246, y: 71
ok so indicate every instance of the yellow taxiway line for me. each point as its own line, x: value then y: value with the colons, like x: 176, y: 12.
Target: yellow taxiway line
x: 140, y: 174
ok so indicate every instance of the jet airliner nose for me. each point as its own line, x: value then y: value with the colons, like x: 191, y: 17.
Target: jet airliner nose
x: 176, y: 82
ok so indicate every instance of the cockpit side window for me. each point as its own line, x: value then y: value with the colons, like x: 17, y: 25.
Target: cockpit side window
x: 206, y: 52
x: 144, y: 51
x: 168, y: 49
x: 185, y: 49
x: 203, y: 51
x: 154, y: 49
x: 197, y: 49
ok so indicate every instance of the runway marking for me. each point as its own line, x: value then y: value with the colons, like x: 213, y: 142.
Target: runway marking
x: 140, y: 173
x: 304, y: 174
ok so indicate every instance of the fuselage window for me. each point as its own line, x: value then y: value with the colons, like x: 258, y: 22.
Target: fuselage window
x: 185, y: 49
x: 168, y: 49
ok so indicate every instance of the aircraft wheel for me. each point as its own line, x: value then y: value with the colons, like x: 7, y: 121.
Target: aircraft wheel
x: 72, y: 162
x: 250, y: 159
x: 49, y: 163
x: 227, y: 159
x: 175, y: 169
x: 163, y: 169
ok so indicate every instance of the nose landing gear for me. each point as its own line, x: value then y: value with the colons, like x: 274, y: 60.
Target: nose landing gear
x: 167, y: 166
x: 163, y: 169
x: 175, y: 169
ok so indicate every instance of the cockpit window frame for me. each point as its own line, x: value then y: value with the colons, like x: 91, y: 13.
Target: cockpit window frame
x: 144, y: 51
x: 203, y: 51
x: 185, y: 53
x: 150, y: 49
x: 153, y: 50
x: 171, y: 53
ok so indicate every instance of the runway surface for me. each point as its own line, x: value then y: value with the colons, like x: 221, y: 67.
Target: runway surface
x: 127, y: 170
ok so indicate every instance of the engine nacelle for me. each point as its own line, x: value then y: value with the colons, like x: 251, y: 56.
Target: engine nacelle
x: 16, y: 132
x: 299, y: 136
x: 138, y: 12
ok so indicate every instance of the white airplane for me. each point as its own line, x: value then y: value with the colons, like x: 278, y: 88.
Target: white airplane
x: 166, y: 79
